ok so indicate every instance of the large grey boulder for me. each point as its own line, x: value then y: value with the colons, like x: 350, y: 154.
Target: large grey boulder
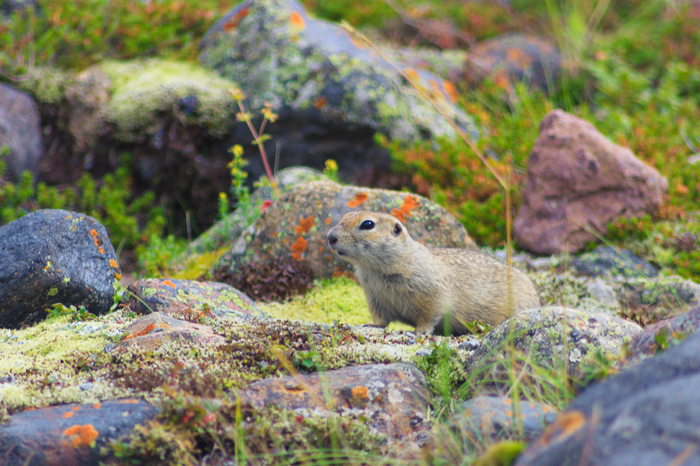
x: 645, y: 416
x: 332, y: 92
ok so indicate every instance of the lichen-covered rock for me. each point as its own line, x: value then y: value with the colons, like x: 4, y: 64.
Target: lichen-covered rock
x: 19, y: 133
x: 295, y: 226
x: 394, y: 397
x: 485, y: 420
x: 549, y: 337
x: 329, y: 89
x: 188, y: 299
x: 54, y: 256
x: 656, y: 337
x: 226, y: 230
x: 70, y: 435
x: 647, y: 415
x: 577, y: 182
x: 514, y: 58
x: 157, y: 329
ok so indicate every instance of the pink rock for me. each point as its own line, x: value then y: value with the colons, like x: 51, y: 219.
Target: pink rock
x: 578, y: 181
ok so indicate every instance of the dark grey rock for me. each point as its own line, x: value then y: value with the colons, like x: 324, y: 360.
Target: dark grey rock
x: 69, y: 435
x: 645, y: 416
x: 605, y: 260
x: 655, y: 336
x: 54, y: 256
x: 20, y: 134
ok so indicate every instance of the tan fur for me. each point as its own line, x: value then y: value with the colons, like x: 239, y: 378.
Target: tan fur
x: 420, y: 286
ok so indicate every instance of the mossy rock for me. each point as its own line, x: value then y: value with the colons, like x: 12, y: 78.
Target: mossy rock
x: 296, y: 225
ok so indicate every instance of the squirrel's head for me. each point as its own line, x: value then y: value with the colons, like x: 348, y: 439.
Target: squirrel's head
x: 369, y: 238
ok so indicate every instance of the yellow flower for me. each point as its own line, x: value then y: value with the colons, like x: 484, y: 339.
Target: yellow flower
x: 237, y: 150
x: 331, y: 165
x: 236, y: 93
x: 222, y: 196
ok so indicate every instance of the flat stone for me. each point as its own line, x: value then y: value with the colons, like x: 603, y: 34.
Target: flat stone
x: 154, y: 330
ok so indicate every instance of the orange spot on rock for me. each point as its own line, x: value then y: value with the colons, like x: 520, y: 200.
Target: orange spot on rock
x: 113, y: 264
x: 76, y: 408
x: 102, y: 251
x: 234, y: 20
x: 93, y: 233
x: 398, y: 214
x: 360, y: 393
x: 320, y: 102
x: 145, y: 331
x: 563, y: 426
x: 297, y: 20
x: 359, y: 199
x: 129, y: 402
x: 298, y: 247
x: 67, y: 415
x: 305, y: 225
x: 97, y: 406
x: 168, y: 283
x: 450, y: 90
x: 82, y: 436
x: 412, y: 74
x: 328, y: 221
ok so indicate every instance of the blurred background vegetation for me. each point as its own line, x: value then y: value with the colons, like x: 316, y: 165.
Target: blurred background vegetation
x: 630, y: 67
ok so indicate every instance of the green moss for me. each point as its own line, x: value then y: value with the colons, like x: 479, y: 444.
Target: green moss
x: 336, y: 299
x: 142, y: 90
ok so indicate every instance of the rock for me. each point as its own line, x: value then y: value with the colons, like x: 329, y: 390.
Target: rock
x: 394, y: 397
x: 229, y: 229
x: 69, y: 435
x: 656, y: 337
x: 295, y: 226
x: 650, y: 300
x: 514, y: 58
x: 647, y: 415
x: 577, y: 182
x: 187, y: 299
x: 605, y: 260
x: 154, y: 330
x: 54, y: 256
x: 20, y: 134
x: 492, y: 418
x: 7, y: 7
x: 549, y: 337
x: 332, y: 93
x: 485, y: 420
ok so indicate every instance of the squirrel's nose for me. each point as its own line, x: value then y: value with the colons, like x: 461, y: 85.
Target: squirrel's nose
x: 332, y: 239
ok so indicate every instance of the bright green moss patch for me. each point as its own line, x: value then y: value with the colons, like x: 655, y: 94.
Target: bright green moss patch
x: 337, y: 299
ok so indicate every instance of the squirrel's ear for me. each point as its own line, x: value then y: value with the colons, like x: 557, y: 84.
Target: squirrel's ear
x: 397, y: 229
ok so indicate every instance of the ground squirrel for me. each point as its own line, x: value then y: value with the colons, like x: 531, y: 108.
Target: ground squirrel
x: 418, y: 285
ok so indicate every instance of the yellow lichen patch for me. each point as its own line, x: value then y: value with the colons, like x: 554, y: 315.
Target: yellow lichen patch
x: 359, y: 199
x: 113, y: 264
x: 82, y: 436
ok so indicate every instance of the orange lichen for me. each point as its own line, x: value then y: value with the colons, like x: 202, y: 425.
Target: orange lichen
x: 359, y: 199
x: 298, y: 247
x: 145, y: 331
x: 328, y: 221
x: 82, y: 436
x: 168, y: 283
x: 113, y: 264
x: 118, y: 276
x: 93, y: 233
x: 76, y: 408
x: 450, y: 90
x: 409, y: 203
x: 97, y: 406
x: 359, y: 393
x: 129, y: 402
x: 320, y: 102
x: 234, y: 20
x: 563, y: 426
x: 412, y: 74
x: 305, y: 225
x: 101, y: 251
x: 297, y: 20
x: 67, y: 415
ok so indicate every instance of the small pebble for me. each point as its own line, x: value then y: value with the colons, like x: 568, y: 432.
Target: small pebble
x: 108, y: 347
x: 85, y: 386
x: 469, y: 345
x: 423, y: 352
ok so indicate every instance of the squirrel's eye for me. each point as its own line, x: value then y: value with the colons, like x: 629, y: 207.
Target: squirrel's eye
x: 367, y: 225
